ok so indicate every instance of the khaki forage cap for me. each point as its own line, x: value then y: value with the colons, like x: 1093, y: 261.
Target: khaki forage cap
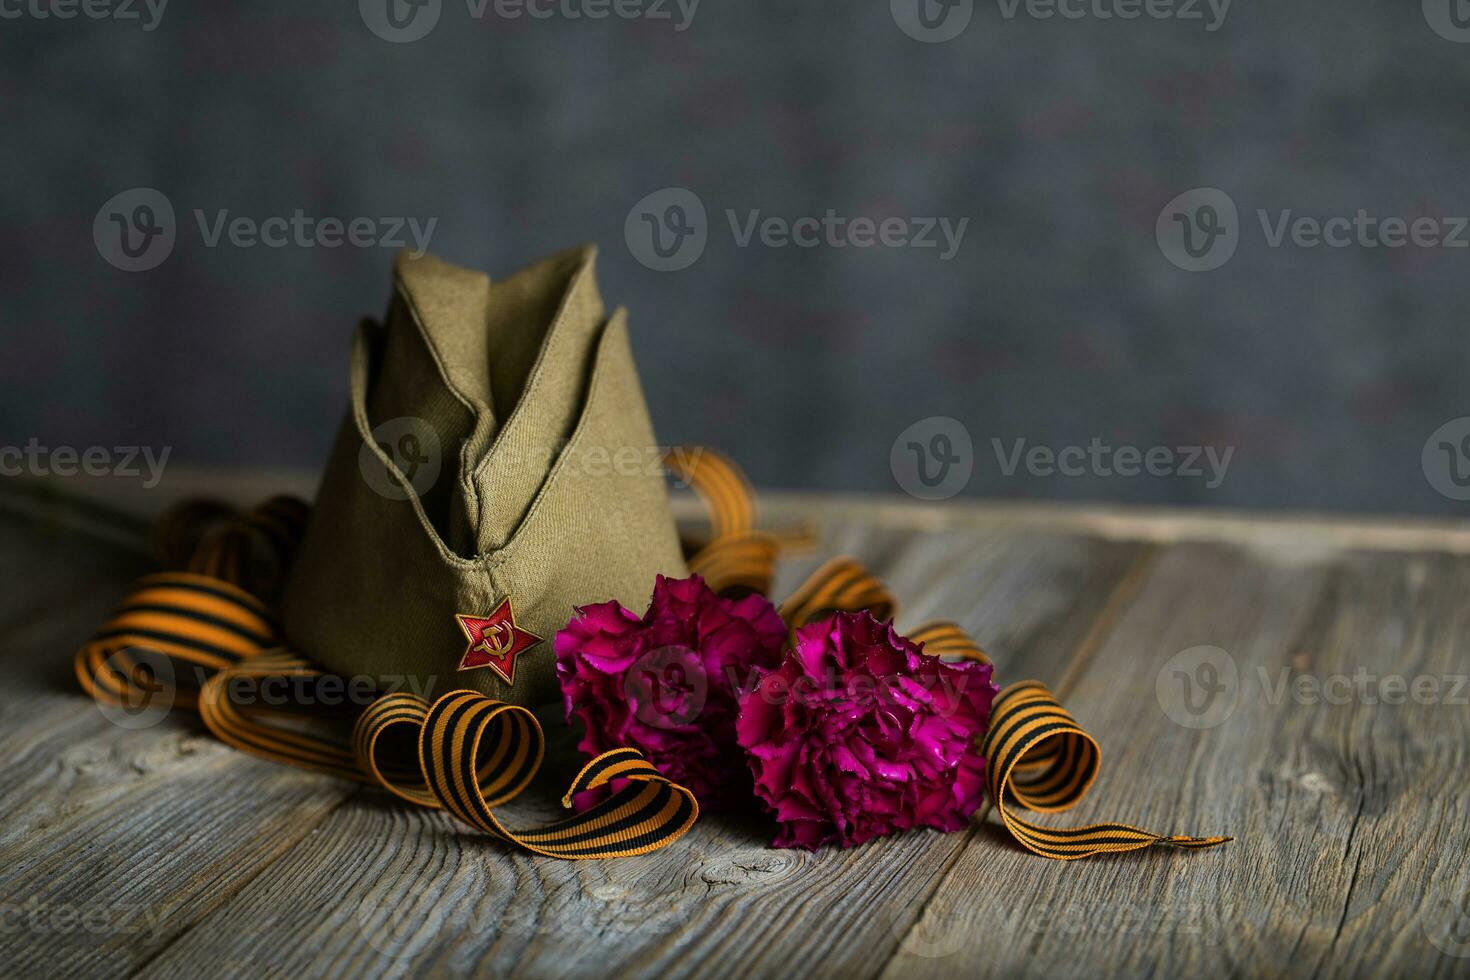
x: 475, y: 465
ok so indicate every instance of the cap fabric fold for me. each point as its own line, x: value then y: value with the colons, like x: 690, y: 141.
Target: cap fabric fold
x: 497, y: 446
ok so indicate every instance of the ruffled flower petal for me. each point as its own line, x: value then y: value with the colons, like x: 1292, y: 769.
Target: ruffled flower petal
x: 667, y: 683
x: 857, y: 734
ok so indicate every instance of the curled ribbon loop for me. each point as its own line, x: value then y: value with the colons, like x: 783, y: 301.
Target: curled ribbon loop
x: 246, y: 729
x: 192, y: 640
x: 720, y: 484
x: 1037, y: 756
x: 171, y: 632
x: 475, y: 753
x: 946, y: 639
x: 1035, y: 752
x: 841, y: 585
x: 187, y: 637
x: 211, y: 538
x: 738, y: 559
x: 478, y: 753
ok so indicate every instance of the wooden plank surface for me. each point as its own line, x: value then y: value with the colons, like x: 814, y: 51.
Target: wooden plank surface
x: 1350, y: 813
x: 113, y: 841
x: 442, y: 900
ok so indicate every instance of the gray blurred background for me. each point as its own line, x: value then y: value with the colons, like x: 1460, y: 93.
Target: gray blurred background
x: 1061, y: 319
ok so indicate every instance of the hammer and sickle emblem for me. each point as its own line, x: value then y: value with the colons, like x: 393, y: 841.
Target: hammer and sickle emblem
x: 496, y: 640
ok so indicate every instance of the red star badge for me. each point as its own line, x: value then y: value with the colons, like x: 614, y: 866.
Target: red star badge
x: 495, y: 640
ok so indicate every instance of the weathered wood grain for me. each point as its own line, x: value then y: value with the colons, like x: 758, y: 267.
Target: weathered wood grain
x: 1335, y: 806
x: 427, y: 896
x: 161, y: 853
x: 112, y: 841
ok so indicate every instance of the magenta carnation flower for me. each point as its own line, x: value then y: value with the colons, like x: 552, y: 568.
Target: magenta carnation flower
x: 668, y: 684
x: 859, y: 734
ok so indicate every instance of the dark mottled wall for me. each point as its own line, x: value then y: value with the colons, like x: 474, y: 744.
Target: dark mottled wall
x: 1061, y: 319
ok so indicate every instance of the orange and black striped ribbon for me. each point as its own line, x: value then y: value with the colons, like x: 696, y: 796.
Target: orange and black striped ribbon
x: 208, y: 537
x: 738, y: 558
x: 493, y: 751
x: 1037, y: 756
x: 189, y: 637
x: 841, y: 585
x: 170, y: 633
